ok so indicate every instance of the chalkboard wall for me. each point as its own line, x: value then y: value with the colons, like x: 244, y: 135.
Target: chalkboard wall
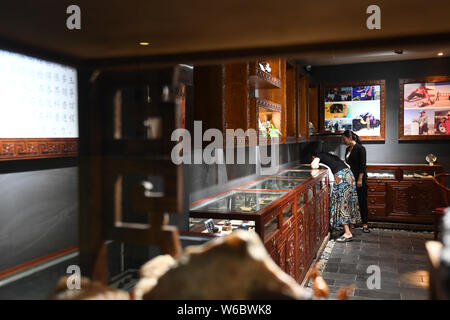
x: 38, y: 214
x: 392, y: 151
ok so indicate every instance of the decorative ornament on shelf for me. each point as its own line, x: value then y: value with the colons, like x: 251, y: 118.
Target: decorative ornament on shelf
x: 431, y: 159
x: 265, y: 67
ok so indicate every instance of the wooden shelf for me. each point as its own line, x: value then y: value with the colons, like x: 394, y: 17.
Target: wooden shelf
x: 263, y: 80
x: 268, y: 105
x: 259, y: 79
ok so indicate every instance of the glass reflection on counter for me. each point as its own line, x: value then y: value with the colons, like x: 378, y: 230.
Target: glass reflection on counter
x: 239, y: 202
x: 381, y: 174
x: 275, y: 184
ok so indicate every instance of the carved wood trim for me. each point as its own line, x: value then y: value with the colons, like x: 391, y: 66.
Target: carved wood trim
x: 19, y: 149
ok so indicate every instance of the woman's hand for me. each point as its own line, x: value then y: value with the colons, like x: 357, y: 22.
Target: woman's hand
x: 359, y: 184
x: 315, y: 163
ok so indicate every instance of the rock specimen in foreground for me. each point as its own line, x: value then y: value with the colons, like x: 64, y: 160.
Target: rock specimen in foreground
x: 233, y: 267
x: 151, y: 272
x: 89, y: 290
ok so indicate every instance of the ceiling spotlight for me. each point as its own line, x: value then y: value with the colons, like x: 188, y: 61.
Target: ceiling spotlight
x: 440, y: 54
x: 144, y: 43
x: 398, y: 51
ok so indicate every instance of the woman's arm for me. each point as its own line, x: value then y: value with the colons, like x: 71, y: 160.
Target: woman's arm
x: 362, y: 166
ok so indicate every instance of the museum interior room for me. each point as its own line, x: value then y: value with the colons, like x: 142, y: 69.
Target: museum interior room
x: 291, y: 150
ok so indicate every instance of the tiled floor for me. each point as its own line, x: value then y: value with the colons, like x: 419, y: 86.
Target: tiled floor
x: 400, y: 255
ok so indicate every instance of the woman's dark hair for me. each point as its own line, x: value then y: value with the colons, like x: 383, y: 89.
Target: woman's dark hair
x: 352, y: 135
x: 310, y: 151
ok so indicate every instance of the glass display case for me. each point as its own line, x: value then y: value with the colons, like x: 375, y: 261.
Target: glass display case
x: 223, y: 226
x: 304, y: 166
x: 418, y: 174
x: 274, y: 183
x: 237, y: 201
x: 381, y: 174
x: 296, y: 173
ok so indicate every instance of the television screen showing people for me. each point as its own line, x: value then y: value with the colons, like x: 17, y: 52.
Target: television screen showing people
x: 356, y: 108
x: 426, y: 109
x: 38, y: 98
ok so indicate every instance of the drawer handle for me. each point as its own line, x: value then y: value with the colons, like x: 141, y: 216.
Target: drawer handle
x: 372, y: 201
x: 372, y: 190
x: 288, y: 261
x: 274, y: 242
x: 301, y: 268
x: 372, y: 212
x: 289, y: 224
x: 301, y: 227
x: 301, y: 247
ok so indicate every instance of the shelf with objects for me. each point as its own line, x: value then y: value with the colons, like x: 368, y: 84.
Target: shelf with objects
x: 265, y: 74
x: 269, y: 96
x: 268, y: 103
x: 403, y: 193
x: 289, y: 213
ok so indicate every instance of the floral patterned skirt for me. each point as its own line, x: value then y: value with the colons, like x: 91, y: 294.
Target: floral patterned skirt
x: 344, y: 207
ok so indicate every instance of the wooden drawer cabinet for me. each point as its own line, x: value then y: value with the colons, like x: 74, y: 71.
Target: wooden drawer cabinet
x: 377, y: 211
x: 407, y: 198
x: 287, y: 215
x: 271, y: 243
x: 377, y: 187
x: 376, y: 199
x: 291, y: 255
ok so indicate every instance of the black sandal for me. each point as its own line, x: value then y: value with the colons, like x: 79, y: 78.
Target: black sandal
x: 344, y: 239
x: 366, y: 230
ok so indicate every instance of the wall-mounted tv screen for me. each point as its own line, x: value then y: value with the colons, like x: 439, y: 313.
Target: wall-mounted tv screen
x: 38, y: 107
x: 356, y: 106
x: 425, y: 107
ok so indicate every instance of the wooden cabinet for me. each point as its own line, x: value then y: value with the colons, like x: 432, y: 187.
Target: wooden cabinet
x: 402, y: 193
x: 221, y: 97
x: 292, y: 227
x: 243, y: 96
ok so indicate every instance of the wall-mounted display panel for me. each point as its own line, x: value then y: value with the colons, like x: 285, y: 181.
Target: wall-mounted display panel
x: 424, y: 112
x: 38, y: 108
x: 357, y: 106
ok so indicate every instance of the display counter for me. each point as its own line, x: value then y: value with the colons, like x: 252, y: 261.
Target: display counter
x: 402, y: 193
x: 288, y: 210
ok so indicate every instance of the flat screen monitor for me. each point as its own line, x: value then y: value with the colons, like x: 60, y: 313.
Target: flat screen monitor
x: 38, y: 107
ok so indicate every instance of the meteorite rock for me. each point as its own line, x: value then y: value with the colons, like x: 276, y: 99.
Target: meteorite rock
x: 89, y: 290
x: 151, y: 272
x: 233, y: 267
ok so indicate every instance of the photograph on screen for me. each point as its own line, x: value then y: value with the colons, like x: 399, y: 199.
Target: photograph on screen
x: 356, y: 108
x: 338, y: 94
x: 427, y: 95
x: 39, y: 98
x: 366, y: 93
x: 425, y: 122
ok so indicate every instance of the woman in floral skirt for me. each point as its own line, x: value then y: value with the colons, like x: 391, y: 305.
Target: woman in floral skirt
x: 344, y: 208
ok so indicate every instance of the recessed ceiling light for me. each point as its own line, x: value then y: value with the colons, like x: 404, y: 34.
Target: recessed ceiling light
x: 144, y: 43
x: 440, y: 54
x: 399, y: 51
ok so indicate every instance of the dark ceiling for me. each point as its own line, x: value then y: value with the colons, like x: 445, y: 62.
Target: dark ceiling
x: 111, y: 29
